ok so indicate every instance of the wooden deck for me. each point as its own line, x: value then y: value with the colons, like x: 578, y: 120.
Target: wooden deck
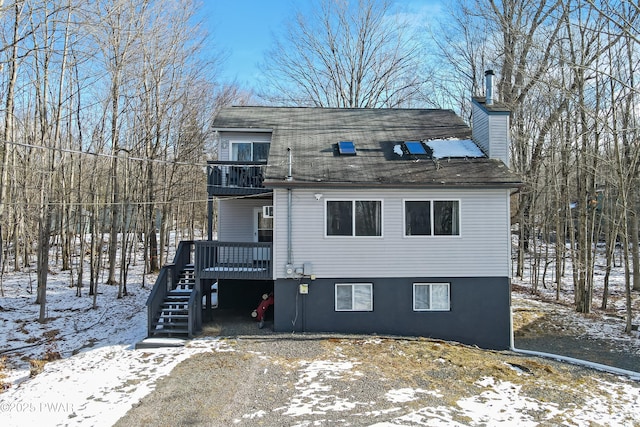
x: 233, y: 260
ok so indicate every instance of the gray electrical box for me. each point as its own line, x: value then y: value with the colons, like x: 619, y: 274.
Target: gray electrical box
x: 306, y: 269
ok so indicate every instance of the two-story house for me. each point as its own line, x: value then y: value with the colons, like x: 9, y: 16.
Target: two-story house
x: 375, y: 221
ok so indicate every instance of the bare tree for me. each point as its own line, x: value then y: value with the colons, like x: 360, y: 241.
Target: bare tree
x: 351, y: 54
x: 549, y: 56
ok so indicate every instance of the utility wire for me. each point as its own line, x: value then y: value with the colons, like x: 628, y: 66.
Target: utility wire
x: 111, y: 156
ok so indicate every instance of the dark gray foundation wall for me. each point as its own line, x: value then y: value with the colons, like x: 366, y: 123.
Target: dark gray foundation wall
x: 480, y: 310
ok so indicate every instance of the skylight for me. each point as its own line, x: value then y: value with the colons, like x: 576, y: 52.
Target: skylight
x: 415, y: 148
x: 347, y: 148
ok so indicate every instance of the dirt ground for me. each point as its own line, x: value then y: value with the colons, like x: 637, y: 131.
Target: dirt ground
x: 257, y: 381
x: 555, y: 328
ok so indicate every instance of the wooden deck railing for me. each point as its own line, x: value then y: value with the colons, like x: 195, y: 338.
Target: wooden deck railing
x: 226, y: 177
x: 233, y: 260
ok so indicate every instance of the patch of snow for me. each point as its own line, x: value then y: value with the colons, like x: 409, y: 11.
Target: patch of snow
x: 398, y: 150
x: 313, y: 394
x: 257, y: 414
x: 502, y: 405
x: 96, y: 387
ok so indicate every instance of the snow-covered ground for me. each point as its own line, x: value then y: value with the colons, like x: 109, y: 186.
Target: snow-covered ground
x: 100, y: 376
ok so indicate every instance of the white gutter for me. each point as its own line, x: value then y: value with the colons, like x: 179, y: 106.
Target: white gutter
x: 257, y: 130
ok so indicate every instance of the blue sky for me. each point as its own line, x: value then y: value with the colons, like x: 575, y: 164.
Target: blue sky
x: 245, y: 29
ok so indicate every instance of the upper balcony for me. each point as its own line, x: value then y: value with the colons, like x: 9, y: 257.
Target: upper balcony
x: 228, y: 178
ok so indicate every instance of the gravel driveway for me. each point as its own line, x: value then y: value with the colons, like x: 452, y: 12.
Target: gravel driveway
x: 292, y: 379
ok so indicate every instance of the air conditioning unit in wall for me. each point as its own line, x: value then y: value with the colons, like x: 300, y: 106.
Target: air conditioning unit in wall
x: 267, y: 211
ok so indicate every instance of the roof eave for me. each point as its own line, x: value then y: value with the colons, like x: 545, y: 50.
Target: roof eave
x: 396, y: 185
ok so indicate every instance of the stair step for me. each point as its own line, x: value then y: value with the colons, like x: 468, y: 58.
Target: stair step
x: 170, y: 325
x: 175, y: 304
x: 174, y: 316
x: 175, y: 328
x: 171, y: 332
x: 174, y: 310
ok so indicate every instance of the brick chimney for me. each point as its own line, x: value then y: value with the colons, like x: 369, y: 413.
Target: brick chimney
x: 490, y: 123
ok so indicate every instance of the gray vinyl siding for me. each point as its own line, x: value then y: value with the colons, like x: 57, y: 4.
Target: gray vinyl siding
x: 226, y: 138
x: 481, y: 250
x: 499, y: 137
x: 491, y: 133
x: 235, y: 219
x: 481, y: 128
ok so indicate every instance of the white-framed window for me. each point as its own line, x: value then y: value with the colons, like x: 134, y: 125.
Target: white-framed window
x: 354, y: 297
x: 431, y: 297
x: 431, y: 217
x: 249, y: 151
x: 362, y: 218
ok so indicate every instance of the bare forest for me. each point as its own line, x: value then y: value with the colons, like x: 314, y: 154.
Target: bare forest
x: 107, y: 104
x: 105, y: 113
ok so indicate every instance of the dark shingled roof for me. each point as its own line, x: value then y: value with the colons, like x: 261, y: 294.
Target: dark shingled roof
x: 313, y: 134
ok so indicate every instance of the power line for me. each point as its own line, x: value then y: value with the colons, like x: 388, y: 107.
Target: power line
x: 110, y: 156
x: 89, y: 204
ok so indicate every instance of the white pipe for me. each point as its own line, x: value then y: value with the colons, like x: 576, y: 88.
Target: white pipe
x: 598, y: 366
x: 289, y: 205
x: 593, y: 365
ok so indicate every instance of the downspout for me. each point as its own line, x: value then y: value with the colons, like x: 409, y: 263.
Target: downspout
x: 289, y: 206
x: 209, y: 204
x: 210, y: 218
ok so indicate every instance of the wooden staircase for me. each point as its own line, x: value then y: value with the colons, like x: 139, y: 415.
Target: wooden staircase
x: 173, y: 317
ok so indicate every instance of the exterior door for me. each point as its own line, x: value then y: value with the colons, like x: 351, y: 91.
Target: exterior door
x: 262, y: 232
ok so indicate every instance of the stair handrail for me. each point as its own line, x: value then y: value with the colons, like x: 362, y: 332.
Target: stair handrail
x: 167, y: 280
x: 182, y: 258
x: 157, y: 296
x: 191, y: 319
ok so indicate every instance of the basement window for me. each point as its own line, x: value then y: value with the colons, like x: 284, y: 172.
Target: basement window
x: 431, y: 297
x: 354, y: 297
